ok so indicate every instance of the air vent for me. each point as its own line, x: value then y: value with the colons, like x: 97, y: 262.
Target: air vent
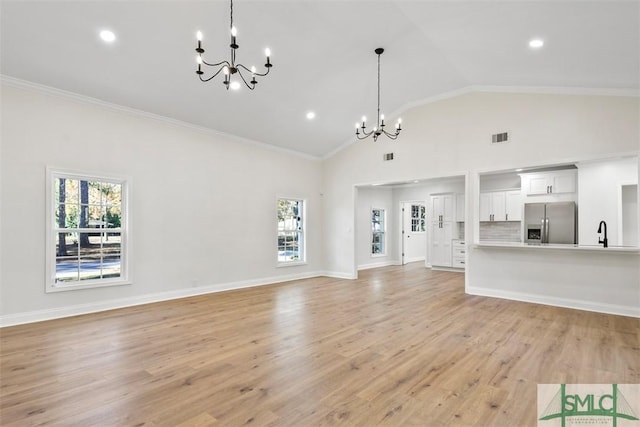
x: 500, y: 138
x: 387, y: 157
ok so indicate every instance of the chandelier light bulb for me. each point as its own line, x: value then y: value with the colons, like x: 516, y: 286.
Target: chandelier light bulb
x: 381, y: 116
x: 267, y: 52
x: 364, y: 119
x: 357, y: 126
x: 234, y: 31
x: 199, y: 60
x: 199, y: 36
x: 235, y: 85
x: 253, y: 69
x: 225, y: 70
x: 375, y: 129
x: 399, y: 120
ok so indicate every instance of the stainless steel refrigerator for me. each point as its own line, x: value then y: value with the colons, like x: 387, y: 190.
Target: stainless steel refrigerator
x: 550, y: 223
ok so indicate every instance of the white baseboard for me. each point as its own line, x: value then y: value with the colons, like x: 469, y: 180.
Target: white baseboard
x: 75, y: 310
x: 377, y: 265
x: 414, y: 259
x: 556, y: 302
x: 339, y: 275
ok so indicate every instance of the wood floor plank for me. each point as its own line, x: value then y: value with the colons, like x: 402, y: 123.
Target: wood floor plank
x: 401, y: 345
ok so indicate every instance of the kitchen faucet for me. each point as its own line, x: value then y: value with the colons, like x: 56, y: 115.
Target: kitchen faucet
x: 605, y: 241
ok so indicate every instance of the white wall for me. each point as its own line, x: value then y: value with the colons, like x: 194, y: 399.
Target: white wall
x: 599, y: 197
x: 452, y: 137
x: 203, y: 208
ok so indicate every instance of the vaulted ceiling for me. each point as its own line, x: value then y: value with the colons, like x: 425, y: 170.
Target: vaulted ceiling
x: 323, y: 56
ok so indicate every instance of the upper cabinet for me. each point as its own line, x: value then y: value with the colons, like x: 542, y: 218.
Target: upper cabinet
x: 513, y: 205
x: 501, y: 206
x: 555, y: 182
x: 442, y: 207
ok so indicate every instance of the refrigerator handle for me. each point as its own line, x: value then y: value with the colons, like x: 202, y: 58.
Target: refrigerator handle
x: 543, y: 231
x: 546, y: 230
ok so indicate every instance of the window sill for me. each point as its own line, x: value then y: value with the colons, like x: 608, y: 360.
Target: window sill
x: 76, y: 287
x: 291, y: 264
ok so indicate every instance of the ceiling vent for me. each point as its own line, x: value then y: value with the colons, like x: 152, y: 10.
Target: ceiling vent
x: 387, y: 156
x: 500, y: 138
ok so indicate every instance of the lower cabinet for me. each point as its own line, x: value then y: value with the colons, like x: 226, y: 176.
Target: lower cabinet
x: 440, y: 244
x: 458, y: 253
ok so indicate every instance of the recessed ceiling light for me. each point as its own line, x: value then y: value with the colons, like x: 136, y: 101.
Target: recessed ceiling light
x: 536, y: 43
x: 311, y: 115
x: 107, y: 36
x: 235, y: 85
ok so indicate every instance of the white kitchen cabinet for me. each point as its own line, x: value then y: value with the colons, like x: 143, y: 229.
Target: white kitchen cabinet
x: 441, y: 230
x: 501, y: 206
x: 459, y: 207
x: 493, y: 206
x: 556, y: 182
x: 458, y: 253
x: 442, y: 208
x: 440, y: 244
x: 513, y: 205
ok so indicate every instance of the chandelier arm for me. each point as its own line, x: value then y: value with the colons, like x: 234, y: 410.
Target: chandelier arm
x: 251, y: 87
x: 249, y: 71
x: 391, y: 135
x: 364, y: 134
x: 213, y: 76
x: 217, y: 64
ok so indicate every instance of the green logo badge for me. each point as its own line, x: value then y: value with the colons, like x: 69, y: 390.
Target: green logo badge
x: 588, y: 404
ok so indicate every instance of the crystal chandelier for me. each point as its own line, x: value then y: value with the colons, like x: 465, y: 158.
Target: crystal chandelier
x: 379, y: 128
x: 230, y: 68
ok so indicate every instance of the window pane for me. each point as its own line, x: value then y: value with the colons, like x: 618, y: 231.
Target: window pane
x: 70, y: 192
x: 66, y: 257
x: 111, y: 265
x: 288, y: 246
x: 113, y: 216
x: 90, y: 268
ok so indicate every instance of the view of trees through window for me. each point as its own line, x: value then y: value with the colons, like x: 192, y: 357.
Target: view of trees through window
x: 290, y: 230
x: 377, y: 232
x: 88, y: 229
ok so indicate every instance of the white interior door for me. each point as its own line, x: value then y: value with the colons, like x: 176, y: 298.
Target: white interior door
x: 414, y: 233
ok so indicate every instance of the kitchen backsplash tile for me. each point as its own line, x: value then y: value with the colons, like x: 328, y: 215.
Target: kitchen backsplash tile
x: 500, y: 231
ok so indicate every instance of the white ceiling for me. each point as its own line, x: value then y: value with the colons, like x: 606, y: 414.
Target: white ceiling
x: 322, y: 54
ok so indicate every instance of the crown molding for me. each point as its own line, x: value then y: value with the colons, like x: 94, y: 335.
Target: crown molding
x: 72, y: 96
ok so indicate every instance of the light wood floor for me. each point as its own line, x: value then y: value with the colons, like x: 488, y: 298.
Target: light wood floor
x: 399, y: 346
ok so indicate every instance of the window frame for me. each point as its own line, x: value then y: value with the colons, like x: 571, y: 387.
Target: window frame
x: 302, y: 241
x: 52, y: 232
x: 383, y: 232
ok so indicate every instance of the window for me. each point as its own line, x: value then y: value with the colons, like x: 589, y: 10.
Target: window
x: 417, y: 218
x: 86, y: 231
x: 378, y: 228
x: 290, y: 231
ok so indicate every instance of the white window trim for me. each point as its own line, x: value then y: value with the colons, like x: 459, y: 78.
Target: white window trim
x: 384, y: 233
x: 50, y: 240
x: 303, y: 252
